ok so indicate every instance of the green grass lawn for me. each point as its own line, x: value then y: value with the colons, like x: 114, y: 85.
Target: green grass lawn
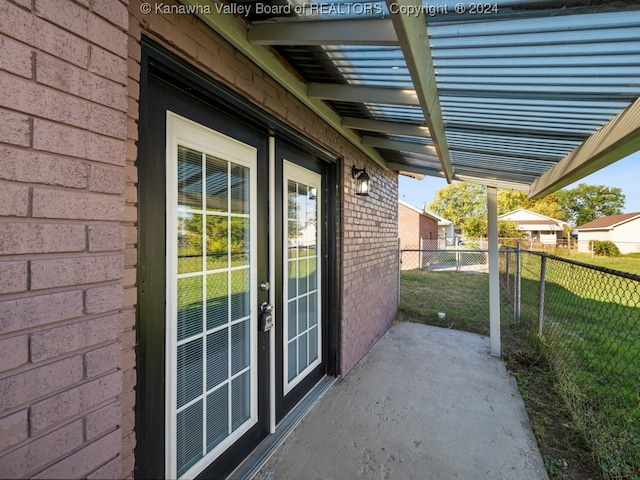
x: 624, y: 263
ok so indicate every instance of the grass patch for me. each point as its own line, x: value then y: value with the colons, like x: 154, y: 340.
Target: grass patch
x: 625, y: 263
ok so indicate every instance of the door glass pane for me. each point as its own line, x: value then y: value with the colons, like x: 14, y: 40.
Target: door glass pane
x: 217, y: 417
x: 189, y: 306
x: 217, y: 184
x: 189, y: 242
x: 189, y: 178
x: 239, y: 241
x: 189, y: 371
x: 217, y: 299
x: 217, y: 358
x: 240, y: 294
x: 189, y: 432
x: 239, y: 346
x: 240, y: 406
x: 239, y: 189
x: 217, y: 242
x: 212, y: 319
x: 302, y: 294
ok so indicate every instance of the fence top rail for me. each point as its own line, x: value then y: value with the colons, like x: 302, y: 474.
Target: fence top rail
x: 611, y: 271
x: 451, y: 250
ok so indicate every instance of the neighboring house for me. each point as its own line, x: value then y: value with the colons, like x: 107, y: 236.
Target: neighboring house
x: 142, y: 158
x: 417, y: 230
x: 623, y: 230
x: 446, y: 230
x: 539, y: 228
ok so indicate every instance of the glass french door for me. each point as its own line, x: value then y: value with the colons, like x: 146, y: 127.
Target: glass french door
x: 302, y: 335
x: 211, y: 271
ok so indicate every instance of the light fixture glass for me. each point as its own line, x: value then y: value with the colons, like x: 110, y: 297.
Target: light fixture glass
x: 362, y: 180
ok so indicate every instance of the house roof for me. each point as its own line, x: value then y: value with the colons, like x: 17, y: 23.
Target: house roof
x: 532, y: 220
x: 609, y: 222
x: 534, y: 217
x: 417, y: 210
x: 443, y: 222
x: 527, y: 94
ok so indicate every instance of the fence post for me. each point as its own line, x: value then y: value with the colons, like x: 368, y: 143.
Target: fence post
x: 543, y: 273
x: 399, y: 271
x: 518, y: 284
x: 457, y: 258
x: 420, y: 258
x: 506, y: 268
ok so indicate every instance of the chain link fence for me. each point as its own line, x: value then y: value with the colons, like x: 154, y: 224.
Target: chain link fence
x: 587, y: 320
x: 445, y: 260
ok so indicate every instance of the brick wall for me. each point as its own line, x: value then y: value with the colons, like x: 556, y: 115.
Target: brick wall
x: 69, y: 72
x: 64, y: 321
x: 370, y: 262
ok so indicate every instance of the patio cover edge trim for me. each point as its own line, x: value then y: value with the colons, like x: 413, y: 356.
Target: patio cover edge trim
x: 414, y: 41
x: 232, y: 30
x: 615, y: 140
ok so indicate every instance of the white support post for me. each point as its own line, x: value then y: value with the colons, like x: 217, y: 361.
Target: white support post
x: 494, y: 272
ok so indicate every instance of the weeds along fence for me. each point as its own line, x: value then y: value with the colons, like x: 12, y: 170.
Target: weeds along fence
x: 586, y: 319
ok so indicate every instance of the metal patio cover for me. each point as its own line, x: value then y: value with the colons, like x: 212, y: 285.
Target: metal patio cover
x: 519, y: 94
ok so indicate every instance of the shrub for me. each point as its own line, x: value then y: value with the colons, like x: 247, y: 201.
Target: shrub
x: 604, y: 247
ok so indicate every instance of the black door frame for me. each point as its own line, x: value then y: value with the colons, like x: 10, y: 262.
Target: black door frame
x: 185, y: 85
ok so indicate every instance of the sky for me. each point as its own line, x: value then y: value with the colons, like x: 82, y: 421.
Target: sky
x: 624, y: 174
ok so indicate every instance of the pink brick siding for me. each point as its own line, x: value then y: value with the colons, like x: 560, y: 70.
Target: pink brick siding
x: 69, y: 90
x: 63, y: 125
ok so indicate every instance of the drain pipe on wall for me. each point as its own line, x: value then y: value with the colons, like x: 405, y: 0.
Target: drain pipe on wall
x: 494, y: 271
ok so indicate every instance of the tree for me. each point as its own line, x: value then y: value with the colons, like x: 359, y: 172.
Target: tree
x: 464, y: 204
x: 587, y: 202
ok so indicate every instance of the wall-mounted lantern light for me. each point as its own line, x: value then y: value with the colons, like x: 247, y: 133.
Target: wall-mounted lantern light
x: 362, y: 180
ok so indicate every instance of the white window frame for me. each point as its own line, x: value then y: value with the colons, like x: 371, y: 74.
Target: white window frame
x: 299, y: 174
x: 182, y: 131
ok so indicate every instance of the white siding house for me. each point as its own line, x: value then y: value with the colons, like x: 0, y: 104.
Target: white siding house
x: 446, y: 230
x: 540, y: 228
x: 623, y: 230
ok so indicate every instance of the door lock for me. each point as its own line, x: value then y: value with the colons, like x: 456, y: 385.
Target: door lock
x: 266, y: 317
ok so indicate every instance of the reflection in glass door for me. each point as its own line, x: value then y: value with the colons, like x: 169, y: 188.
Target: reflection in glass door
x: 211, y: 346
x: 302, y: 332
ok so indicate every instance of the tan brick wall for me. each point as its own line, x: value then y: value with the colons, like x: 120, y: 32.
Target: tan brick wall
x: 63, y: 325
x: 369, y: 228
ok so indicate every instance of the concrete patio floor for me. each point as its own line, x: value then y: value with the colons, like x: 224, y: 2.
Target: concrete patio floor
x: 425, y: 403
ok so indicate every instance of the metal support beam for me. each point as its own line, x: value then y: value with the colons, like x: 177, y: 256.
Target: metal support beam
x: 379, y: 142
x: 431, y: 172
x: 522, y: 187
x: 615, y: 140
x: 358, y: 94
x: 365, y: 31
x: 391, y: 128
x: 414, y: 41
x: 494, y: 272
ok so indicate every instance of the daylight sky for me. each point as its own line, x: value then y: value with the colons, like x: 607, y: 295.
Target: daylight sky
x: 624, y: 174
